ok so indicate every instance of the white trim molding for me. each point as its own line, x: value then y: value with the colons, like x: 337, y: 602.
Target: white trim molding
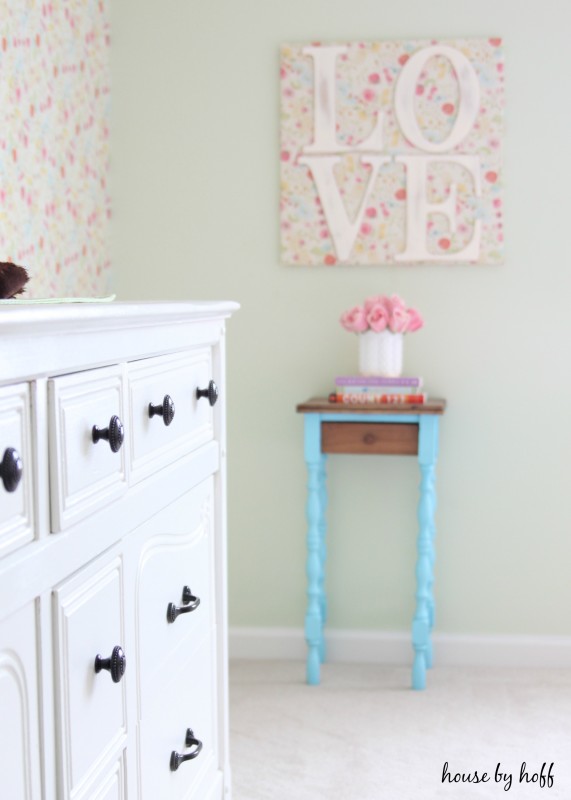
x: 393, y: 648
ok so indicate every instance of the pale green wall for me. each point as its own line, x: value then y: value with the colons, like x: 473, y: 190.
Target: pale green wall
x: 195, y: 168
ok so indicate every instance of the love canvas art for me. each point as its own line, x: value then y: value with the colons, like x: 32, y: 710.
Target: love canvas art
x: 391, y: 152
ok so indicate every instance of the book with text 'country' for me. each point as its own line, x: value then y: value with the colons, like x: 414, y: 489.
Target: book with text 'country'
x: 377, y: 380
x: 372, y: 398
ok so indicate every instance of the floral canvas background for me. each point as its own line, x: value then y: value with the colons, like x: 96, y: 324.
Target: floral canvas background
x: 366, y: 75
x: 54, y: 144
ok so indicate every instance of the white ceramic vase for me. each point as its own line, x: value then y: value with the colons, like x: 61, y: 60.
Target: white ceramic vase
x: 381, y: 353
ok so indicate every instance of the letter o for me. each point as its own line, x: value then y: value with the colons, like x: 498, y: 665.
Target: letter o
x: 469, y: 98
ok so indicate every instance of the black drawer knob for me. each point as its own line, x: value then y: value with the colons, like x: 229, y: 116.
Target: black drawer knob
x: 179, y: 758
x: 11, y: 469
x: 211, y: 392
x: 114, y: 434
x: 190, y: 603
x: 164, y: 409
x: 116, y: 664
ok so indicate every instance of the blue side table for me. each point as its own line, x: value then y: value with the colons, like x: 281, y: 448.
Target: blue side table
x: 382, y: 430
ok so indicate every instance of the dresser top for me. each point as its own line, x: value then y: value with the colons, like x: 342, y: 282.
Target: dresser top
x: 42, y: 340
x: 22, y: 315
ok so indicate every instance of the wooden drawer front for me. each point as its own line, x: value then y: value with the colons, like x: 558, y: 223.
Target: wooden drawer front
x: 85, y: 476
x: 88, y: 611
x: 152, y: 443
x: 174, y: 557
x: 400, y: 438
x: 19, y: 715
x: 16, y: 507
x: 185, y: 698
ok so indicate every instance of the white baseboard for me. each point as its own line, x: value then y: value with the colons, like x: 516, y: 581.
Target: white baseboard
x: 395, y: 648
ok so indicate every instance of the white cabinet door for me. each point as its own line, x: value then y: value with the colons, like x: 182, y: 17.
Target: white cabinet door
x: 89, y: 616
x: 185, y: 699
x: 112, y: 784
x: 178, y: 669
x: 19, y: 716
x: 178, y: 556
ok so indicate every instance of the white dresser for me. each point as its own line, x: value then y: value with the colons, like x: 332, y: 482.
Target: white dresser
x: 113, y: 653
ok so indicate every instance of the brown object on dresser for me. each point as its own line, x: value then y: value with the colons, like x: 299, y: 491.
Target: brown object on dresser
x: 12, y: 279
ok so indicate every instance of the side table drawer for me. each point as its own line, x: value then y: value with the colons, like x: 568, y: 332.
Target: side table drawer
x: 85, y: 475
x: 16, y: 507
x: 380, y: 438
x: 153, y: 443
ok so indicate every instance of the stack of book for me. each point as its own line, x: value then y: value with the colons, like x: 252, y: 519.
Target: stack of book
x: 361, y: 389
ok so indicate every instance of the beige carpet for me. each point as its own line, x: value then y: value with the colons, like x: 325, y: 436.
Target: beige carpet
x: 364, y: 735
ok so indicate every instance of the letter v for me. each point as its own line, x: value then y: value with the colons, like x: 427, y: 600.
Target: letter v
x: 343, y: 232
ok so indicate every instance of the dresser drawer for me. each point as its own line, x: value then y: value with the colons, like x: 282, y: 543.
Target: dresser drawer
x: 86, y: 475
x: 174, y: 559
x: 186, y: 700
x: 157, y: 385
x: 88, y: 611
x: 16, y: 501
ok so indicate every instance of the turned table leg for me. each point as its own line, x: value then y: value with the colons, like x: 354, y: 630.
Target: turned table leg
x: 424, y: 614
x: 316, y: 497
x: 323, y: 555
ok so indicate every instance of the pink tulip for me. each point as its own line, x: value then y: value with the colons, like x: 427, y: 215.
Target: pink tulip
x: 378, y: 317
x: 399, y: 319
x: 354, y: 320
x: 379, y: 299
x: 396, y: 302
x: 415, y: 321
x: 370, y: 302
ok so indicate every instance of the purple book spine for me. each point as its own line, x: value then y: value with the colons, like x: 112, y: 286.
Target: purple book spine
x: 376, y: 380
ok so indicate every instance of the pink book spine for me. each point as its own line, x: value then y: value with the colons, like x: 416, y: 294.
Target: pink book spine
x: 376, y: 380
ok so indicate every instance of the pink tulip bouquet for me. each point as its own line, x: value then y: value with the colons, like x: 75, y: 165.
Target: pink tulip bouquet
x: 382, y: 313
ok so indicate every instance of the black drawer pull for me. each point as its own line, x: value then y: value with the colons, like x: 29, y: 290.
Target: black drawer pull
x: 164, y: 410
x: 190, y: 603
x: 116, y: 664
x: 11, y: 469
x: 211, y: 392
x: 114, y: 434
x: 179, y: 758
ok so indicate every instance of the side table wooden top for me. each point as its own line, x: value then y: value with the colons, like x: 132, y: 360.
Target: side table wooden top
x: 321, y: 405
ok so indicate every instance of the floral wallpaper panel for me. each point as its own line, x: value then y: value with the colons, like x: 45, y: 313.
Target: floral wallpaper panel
x: 54, y: 144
